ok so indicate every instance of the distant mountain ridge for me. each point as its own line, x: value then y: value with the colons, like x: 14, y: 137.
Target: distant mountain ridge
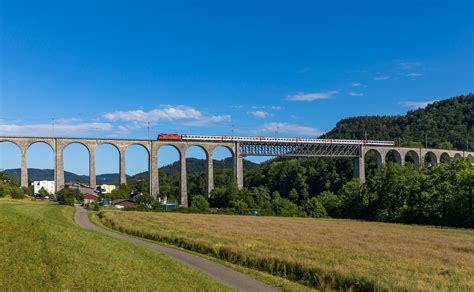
x: 192, y: 165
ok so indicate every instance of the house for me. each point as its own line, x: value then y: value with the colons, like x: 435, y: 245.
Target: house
x: 123, y: 203
x: 89, y: 198
x: 106, y: 189
x: 84, y: 189
x: 48, y: 185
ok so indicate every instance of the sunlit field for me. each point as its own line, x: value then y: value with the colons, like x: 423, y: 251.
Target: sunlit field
x: 42, y: 249
x: 323, y: 253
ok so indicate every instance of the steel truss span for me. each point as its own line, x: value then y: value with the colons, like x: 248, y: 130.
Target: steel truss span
x: 299, y: 149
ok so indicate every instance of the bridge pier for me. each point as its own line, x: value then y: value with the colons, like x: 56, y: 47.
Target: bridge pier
x: 92, y: 178
x: 209, y: 174
x: 154, y: 184
x: 24, y: 168
x: 183, y: 186
x: 238, y: 167
x: 58, y: 167
x: 123, y: 176
x: 359, y: 167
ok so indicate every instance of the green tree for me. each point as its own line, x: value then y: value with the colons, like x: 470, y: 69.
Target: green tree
x: 68, y: 196
x: 42, y: 193
x: 199, y: 204
x: 314, y: 208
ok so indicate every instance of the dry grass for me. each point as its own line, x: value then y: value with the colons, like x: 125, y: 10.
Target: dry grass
x: 325, y: 253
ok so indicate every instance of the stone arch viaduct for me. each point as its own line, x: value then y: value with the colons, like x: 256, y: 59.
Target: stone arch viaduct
x: 237, y: 149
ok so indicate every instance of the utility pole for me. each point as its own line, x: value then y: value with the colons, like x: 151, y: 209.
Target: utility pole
x: 148, y: 127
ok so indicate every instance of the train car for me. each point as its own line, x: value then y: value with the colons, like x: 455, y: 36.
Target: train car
x: 169, y: 137
x: 284, y: 140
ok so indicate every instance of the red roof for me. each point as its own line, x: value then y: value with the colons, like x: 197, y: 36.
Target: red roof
x: 89, y: 197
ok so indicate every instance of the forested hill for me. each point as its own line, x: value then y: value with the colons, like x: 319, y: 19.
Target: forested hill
x: 449, y: 120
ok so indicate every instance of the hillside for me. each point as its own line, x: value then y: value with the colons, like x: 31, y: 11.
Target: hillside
x: 449, y: 120
x: 192, y: 165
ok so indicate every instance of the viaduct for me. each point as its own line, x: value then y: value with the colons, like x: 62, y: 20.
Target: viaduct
x: 418, y: 156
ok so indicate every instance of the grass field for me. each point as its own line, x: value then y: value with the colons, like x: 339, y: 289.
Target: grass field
x: 42, y: 249
x: 323, y: 253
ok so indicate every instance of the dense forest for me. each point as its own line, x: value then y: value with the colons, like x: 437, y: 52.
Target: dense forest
x: 449, y: 120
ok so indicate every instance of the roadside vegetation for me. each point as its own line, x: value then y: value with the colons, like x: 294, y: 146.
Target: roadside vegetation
x: 42, y: 249
x: 321, y: 253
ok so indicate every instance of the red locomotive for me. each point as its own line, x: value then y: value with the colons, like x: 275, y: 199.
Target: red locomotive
x: 169, y: 137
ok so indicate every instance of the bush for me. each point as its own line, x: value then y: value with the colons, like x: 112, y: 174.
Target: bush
x: 314, y: 208
x: 199, y: 204
x: 68, y: 196
x: 93, y: 206
x: 16, y: 193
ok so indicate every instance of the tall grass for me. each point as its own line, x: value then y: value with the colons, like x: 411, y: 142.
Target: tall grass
x: 338, y: 254
x: 42, y: 249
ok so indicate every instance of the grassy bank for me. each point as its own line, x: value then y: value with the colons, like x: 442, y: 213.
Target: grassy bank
x: 41, y: 248
x: 322, y: 253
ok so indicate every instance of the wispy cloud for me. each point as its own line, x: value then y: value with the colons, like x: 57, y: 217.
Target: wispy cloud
x: 355, y: 93
x: 409, y: 65
x: 190, y: 115
x: 416, y: 104
x: 47, y: 129
x: 414, y: 74
x: 258, y: 114
x: 356, y: 84
x: 381, y: 77
x: 286, y: 128
x: 301, y: 96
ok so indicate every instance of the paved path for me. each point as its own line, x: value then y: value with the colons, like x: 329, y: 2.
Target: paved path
x: 217, y: 271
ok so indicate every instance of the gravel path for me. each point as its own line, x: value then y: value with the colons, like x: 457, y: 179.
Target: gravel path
x: 217, y: 271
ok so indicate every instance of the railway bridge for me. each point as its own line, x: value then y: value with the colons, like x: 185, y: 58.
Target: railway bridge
x: 239, y: 147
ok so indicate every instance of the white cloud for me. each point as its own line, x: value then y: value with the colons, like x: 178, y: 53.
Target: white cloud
x: 355, y: 93
x: 414, y: 75
x: 286, y: 128
x: 258, y: 114
x: 276, y: 107
x: 356, y: 84
x: 381, y: 77
x: 47, y: 129
x: 301, y: 96
x: 409, y: 65
x: 191, y: 116
x: 416, y: 104
x: 208, y: 121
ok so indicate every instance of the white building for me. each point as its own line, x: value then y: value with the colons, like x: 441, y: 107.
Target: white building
x: 107, y: 189
x: 48, y: 185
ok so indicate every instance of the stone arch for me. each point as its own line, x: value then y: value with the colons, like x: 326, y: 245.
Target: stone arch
x: 445, y: 158
x: 170, y: 157
x: 412, y: 157
x: 40, y: 141
x: 430, y: 158
x: 393, y: 156
x: 198, y: 158
x: 141, y: 183
x: 10, y: 157
x: 372, y: 162
x: 12, y: 142
x: 225, y: 175
x: 65, y: 159
x: 470, y: 158
x: 99, y: 157
x: 457, y: 155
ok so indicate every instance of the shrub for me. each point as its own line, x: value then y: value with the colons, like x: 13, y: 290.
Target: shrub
x: 199, y: 204
x: 16, y: 193
x: 314, y: 208
x: 68, y: 196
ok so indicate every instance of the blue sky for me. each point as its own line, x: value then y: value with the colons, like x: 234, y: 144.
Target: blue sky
x: 287, y: 68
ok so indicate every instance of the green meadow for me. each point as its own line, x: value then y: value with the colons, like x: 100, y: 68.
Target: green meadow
x: 42, y: 248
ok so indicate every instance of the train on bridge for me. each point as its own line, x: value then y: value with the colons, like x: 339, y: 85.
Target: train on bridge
x: 215, y: 138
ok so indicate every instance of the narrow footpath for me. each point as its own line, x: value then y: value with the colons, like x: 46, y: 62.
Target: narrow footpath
x: 229, y: 277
